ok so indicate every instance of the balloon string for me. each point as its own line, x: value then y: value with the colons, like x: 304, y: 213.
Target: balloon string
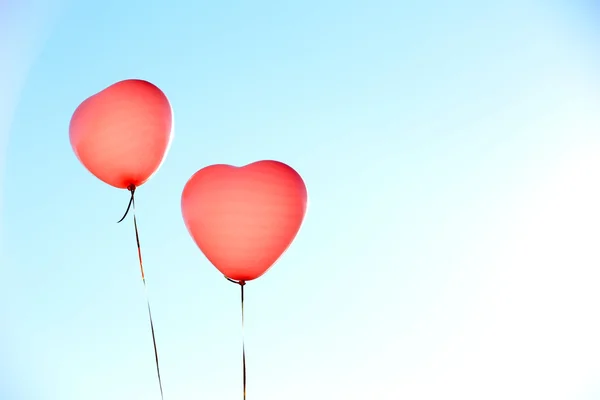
x: 242, y: 284
x: 137, y: 239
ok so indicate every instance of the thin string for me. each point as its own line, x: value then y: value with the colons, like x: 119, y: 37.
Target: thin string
x: 131, y: 205
x: 242, y: 284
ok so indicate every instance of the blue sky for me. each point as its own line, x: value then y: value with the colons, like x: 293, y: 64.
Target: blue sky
x: 450, y: 246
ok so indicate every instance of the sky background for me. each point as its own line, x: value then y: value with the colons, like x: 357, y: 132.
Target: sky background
x: 451, y: 152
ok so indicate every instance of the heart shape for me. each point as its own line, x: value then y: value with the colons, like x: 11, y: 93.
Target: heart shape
x: 122, y: 134
x: 244, y: 218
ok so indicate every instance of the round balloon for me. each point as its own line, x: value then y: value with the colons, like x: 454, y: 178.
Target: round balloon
x: 244, y: 218
x: 122, y: 134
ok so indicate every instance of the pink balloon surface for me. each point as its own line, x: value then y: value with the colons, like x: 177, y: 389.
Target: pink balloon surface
x: 244, y: 218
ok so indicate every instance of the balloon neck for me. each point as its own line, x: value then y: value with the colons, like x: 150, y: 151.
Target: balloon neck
x: 131, y: 188
x: 241, y: 283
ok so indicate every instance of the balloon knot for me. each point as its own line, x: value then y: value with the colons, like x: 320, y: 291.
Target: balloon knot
x: 241, y: 283
x: 131, y: 188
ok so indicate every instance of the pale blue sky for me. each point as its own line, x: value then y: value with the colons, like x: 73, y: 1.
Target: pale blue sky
x: 450, y: 250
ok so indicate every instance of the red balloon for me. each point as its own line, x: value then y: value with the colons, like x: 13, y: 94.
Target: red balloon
x: 122, y: 134
x: 244, y: 218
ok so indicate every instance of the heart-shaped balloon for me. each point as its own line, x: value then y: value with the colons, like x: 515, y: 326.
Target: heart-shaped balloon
x: 122, y: 134
x: 244, y: 218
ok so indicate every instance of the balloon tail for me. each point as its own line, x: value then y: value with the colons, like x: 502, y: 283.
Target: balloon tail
x: 131, y: 188
x: 137, y: 239
x: 242, y: 284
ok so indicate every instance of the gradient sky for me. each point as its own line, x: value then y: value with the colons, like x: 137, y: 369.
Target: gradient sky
x: 450, y: 250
